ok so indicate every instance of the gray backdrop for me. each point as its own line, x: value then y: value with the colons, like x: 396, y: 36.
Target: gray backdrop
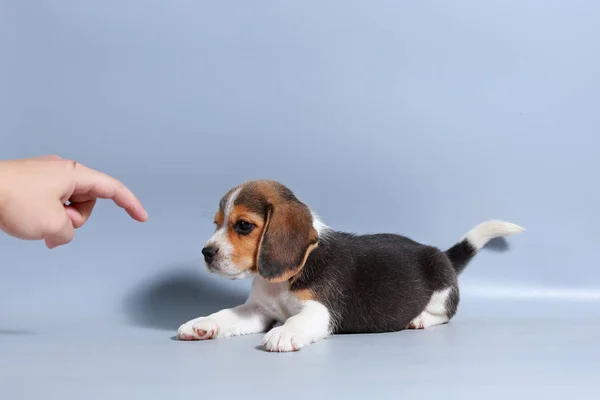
x: 423, y: 119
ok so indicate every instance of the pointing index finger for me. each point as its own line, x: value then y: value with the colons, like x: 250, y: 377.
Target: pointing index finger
x: 99, y: 185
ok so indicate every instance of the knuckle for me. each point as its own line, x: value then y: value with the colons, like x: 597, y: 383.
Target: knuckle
x: 66, y: 164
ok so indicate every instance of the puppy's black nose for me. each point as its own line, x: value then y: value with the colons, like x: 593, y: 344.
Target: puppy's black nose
x: 209, y: 252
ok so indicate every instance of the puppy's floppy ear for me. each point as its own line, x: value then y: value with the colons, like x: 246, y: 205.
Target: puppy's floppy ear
x: 288, y: 238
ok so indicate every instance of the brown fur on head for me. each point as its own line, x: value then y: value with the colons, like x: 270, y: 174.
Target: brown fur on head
x: 261, y: 227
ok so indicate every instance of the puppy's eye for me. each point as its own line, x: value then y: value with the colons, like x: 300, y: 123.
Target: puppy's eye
x: 243, y: 227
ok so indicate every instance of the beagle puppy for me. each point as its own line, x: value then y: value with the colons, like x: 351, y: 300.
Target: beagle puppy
x: 317, y: 281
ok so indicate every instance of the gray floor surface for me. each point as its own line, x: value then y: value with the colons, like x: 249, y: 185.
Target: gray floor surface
x: 492, y: 349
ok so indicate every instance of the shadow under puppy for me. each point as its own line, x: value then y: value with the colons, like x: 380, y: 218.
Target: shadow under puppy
x: 318, y: 281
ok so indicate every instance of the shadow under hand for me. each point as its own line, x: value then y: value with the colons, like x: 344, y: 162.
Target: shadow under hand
x: 174, y: 298
x: 499, y: 244
x: 15, y: 332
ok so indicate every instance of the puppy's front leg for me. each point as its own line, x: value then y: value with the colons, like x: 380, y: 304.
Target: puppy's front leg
x: 310, y: 325
x: 241, y: 320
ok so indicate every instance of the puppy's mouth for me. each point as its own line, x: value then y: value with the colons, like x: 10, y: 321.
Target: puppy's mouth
x: 223, y: 274
x: 233, y: 277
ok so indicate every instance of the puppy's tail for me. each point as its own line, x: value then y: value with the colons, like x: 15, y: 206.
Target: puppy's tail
x: 462, y: 252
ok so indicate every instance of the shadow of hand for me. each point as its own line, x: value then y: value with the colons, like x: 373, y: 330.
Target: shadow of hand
x: 175, y: 297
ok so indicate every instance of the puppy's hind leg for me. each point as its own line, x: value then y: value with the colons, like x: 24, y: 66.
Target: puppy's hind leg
x: 440, y: 309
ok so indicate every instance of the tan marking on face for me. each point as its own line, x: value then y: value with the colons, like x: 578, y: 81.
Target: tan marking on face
x: 281, y: 241
x: 288, y: 235
x: 219, y: 217
x: 245, y: 247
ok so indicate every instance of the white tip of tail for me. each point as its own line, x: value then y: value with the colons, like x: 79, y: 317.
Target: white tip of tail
x: 484, y: 232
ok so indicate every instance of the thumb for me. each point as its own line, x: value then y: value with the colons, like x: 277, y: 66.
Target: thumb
x: 63, y: 232
x: 80, y: 212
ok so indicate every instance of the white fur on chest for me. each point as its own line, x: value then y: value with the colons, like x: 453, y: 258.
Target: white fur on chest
x: 275, y: 299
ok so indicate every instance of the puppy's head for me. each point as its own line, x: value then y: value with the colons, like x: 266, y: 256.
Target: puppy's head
x: 261, y: 228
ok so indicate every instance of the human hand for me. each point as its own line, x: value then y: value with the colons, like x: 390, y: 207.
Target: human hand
x: 47, y: 198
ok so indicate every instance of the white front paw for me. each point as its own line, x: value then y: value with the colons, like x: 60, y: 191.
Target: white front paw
x: 198, y: 329
x: 283, y: 339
